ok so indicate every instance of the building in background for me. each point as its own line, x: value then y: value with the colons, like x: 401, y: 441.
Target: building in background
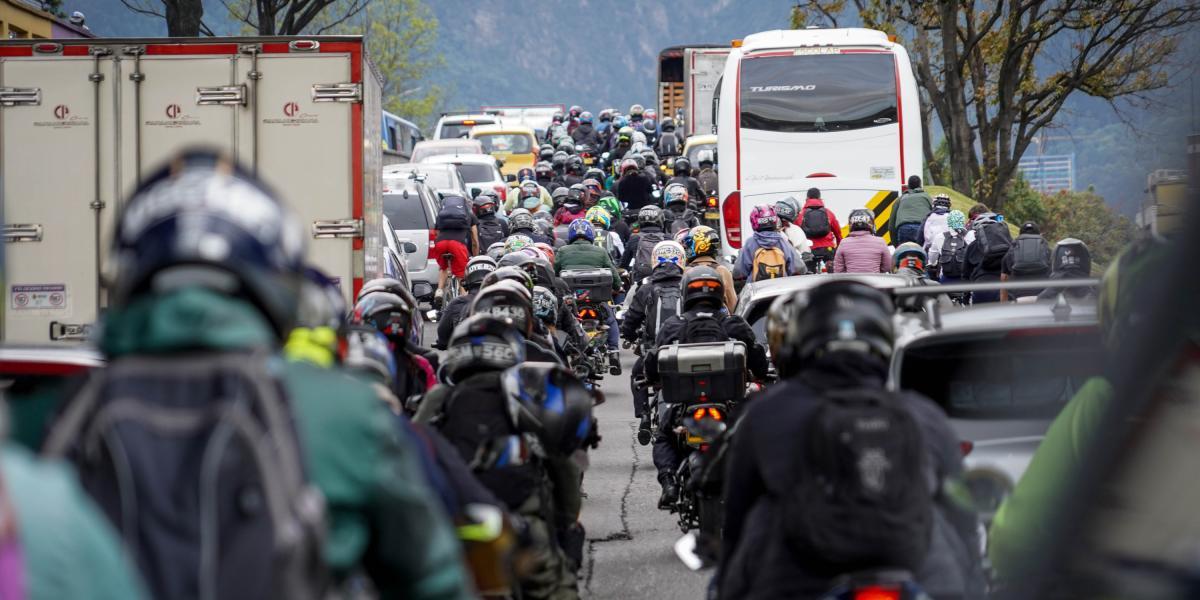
x: 1049, y: 173
x: 25, y: 19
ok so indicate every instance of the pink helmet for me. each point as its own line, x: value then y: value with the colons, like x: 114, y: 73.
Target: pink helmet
x: 763, y: 218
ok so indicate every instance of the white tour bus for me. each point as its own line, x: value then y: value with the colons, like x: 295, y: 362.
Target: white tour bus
x: 823, y: 108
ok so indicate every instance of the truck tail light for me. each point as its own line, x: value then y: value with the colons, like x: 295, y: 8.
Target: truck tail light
x: 731, y: 213
x: 432, y: 239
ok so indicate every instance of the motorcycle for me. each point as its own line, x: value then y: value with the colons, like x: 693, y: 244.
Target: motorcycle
x: 712, y: 211
x: 884, y: 584
x: 593, y: 295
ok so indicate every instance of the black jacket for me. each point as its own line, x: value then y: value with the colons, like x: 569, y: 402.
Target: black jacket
x: 643, y: 302
x: 451, y: 316
x: 631, y: 245
x: 765, y: 465
x: 634, y: 191
x: 735, y: 328
x: 622, y: 229
x: 586, y: 134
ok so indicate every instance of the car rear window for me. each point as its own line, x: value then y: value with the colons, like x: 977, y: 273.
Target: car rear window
x: 473, y: 173
x: 456, y: 129
x: 1017, y: 374
x: 405, y: 212
x: 516, y: 143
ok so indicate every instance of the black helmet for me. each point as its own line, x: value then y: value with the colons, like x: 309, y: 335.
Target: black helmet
x: 477, y: 269
x: 483, y: 205
x: 509, y: 273
x: 559, y: 195
x: 575, y: 164
x: 837, y: 316
x: 575, y: 194
x: 559, y: 161
x: 520, y: 221
x: 321, y: 301
x: 788, y: 209
x: 650, y: 215
x: 541, y: 271
x: 203, y: 221
x: 520, y: 259
x: 550, y: 403
x: 683, y: 166
x: 483, y: 343
x: 546, y: 153
x: 506, y: 300
x: 862, y: 219
x: 941, y: 200
x: 702, y: 284
x: 387, y: 312
x: 545, y: 305
x: 779, y: 316
x: 366, y: 351
x: 668, y: 124
x: 1071, y: 256
x: 594, y: 173
x: 566, y: 145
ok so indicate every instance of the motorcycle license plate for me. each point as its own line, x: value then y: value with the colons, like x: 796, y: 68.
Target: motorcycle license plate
x: 712, y: 215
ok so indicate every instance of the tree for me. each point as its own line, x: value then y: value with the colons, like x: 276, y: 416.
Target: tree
x: 185, y: 18
x: 995, y: 73
x: 293, y: 17
x: 400, y: 42
x: 1086, y: 216
x: 1023, y: 203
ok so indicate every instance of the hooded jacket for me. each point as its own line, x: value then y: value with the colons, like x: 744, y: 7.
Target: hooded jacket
x: 911, y: 208
x: 766, y: 462
x: 862, y: 252
x: 382, y: 515
x: 585, y: 133
x: 935, y: 223
x: 582, y: 254
x: 765, y: 239
x: 835, y: 229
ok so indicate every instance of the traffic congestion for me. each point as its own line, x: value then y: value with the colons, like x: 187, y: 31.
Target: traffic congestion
x: 260, y: 347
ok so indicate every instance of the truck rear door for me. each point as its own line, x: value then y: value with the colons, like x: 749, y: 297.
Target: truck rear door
x: 49, y: 180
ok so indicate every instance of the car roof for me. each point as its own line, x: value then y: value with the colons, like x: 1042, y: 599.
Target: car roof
x: 405, y: 168
x: 462, y: 158
x: 489, y: 129
x: 447, y: 143
x: 773, y: 288
x: 83, y: 355
x: 1006, y: 317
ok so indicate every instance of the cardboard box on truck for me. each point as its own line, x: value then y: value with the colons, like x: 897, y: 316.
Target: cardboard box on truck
x: 81, y: 121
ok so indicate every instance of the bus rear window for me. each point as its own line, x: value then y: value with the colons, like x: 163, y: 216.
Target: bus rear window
x: 818, y: 92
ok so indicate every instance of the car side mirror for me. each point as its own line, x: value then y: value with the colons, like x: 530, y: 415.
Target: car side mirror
x: 499, y: 162
x: 475, y: 192
x: 510, y: 178
x: 409, y: 248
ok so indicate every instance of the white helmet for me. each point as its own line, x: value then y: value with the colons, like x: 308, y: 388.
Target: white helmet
x: 667, y: 251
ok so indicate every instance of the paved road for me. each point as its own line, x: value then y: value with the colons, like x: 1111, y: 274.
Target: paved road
x: 629, y: 551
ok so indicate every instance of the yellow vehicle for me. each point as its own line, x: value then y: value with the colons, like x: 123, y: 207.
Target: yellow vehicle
x: 696, y: 143
x: 515, y: 145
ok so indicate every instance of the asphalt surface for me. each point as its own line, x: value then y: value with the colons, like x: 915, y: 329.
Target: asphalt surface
x: 630, y: 548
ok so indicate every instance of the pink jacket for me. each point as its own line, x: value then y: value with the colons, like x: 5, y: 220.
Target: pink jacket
x: 862, y: 252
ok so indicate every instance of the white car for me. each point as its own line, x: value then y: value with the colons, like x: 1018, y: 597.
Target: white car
x: 459, y: 125
x: 442, y: 178
x: 480, y: 171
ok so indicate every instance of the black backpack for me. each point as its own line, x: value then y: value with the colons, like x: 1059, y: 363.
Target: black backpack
x: 491, y: 230
x: 195, y: 459
x: 644, y: 258
x: 454, y: 214
x: 953, y: 254
x: 702, y: 328
x: 1031, y: 256
x: 993, y: 238
x: 815, y: 223
x: 668, y: 301
x: 863, y: 499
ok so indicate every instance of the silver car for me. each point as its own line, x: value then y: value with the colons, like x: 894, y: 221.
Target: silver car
x: 411, y: 208
x: 756, y: 298
x: 443, y: 179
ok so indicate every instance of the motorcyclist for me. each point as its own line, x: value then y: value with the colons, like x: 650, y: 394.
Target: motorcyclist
x: 477, y: 269
x: 609, y: 202
x: 582, y: 252
x: 574, y: 171
x: 208, y: 263
x: 766, y: 236
x: 531, y: 196
x: 935, y: 222
x: 505, y: 295
x: 788, y: 210
x: 527, y: 469
x: 546, y: 153
x: 862, y: 251
x: 1072, y: 260
x: 634, y: 189
x: 491, y: 226
x: 642, y: 320
x: 544, y: 171
x: 823, y: 246
x: 601, y: 220
x: 641, y: 244
x: 557, y: 129
x: 636, y: 113
x: 703, y: 298
x: 669, y: 141
x: 586, y: 133
x: 702, y: 247
x: 621, y: 143
x: 604, y: 130
x: 677, y: 212
x: 650, y: 128
x: 572, y: 206
x: 683, y: 174
x: 650, y: 160
x: 835, y: 338
x: 521, y: 222
x: 387, y: 308
x: 707, y: 176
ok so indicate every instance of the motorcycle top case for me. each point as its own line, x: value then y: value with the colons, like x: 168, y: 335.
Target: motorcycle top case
x: 699, y: 373
x: 590, y: 285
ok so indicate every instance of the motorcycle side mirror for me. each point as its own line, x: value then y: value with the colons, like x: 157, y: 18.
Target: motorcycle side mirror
x: 686, y: 549
x: 408, y: 248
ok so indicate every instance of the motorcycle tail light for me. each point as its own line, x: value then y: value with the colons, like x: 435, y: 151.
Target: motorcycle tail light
x: 712, y: 202
x: 966, y: 446
x: 877, y: 592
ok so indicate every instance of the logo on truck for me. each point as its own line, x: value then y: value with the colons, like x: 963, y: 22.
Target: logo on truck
x: 173, y: 111
x: 291, y: 108
x: 61, y: 112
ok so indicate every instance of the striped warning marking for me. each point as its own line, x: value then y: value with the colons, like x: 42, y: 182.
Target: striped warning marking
x: 881, y: 204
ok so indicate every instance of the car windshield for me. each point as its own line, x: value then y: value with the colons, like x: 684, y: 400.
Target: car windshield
x: 693, y: 153
x: 405, y: 211
x: 1013, y: 374
x: 473, y: 173
x: 515, y: 143
x: 818, y: 92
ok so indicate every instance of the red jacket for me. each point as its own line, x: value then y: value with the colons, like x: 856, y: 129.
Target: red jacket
x: 835, y: 229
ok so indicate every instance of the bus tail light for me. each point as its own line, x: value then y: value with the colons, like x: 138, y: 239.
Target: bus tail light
x: 732, y: 215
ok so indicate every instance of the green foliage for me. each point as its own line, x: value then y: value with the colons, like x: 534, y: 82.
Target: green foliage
x: 1086, y: 216
x: 1023, y: 203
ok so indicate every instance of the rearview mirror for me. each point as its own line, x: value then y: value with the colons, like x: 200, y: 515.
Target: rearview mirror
x: 475, y: 192
x: 409, y: 248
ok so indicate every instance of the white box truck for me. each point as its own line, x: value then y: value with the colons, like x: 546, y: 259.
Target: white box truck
x: 81, y: 121
x: 687, y: 80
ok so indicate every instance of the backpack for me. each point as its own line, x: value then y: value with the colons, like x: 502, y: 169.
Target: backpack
x: 1031, y: 256
x: 644, y: 258
x: 815, y: 223
x: 454, y: 214
x: 196, y: 460
x: 491, y: 230
x: 993, y: 238
x: 668, y: 145
x: 953, y: 254
x: 702, y: 328
x: 769, y: 262
x: 678, y: 224
x: 668, y: 300
x: 863, y: 499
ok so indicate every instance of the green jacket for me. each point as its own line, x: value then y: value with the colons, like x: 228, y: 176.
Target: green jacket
x: 383, y: 517
x: 69, y: 548
x: 912, y: 207
x: 1019, y: 524
x: 582, y: 254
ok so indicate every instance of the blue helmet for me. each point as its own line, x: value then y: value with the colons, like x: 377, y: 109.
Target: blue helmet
x: 366, y: 351
x: 580, y: 228
x: 547, y: 401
